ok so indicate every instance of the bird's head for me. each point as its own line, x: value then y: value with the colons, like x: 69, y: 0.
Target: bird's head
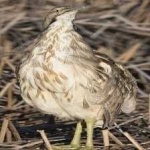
x: 60, y: 14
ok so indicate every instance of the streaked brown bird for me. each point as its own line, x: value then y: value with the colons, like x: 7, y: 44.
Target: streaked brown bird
x: 63, y: 76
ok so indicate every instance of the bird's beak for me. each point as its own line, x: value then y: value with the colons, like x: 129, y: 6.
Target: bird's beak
x: 69, y: 9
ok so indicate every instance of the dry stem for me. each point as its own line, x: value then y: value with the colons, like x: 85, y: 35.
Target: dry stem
x: 45, y: 139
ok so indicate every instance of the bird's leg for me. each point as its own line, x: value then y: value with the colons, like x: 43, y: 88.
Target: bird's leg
x: 90, y: 126
x: 77, y: 136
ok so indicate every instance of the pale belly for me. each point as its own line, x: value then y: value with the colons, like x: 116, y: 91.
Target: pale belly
x: 70, y: 107
x: 68, y: 99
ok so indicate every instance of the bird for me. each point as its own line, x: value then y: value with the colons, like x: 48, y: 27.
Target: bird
x: 63, y: 76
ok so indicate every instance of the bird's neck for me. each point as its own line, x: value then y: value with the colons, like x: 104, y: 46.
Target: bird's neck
x: 66, y: 41
x: 62, y: 42
x: 61, y: 24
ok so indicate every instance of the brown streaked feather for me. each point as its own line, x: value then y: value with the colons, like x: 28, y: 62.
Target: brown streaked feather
x: 71, y: 79
x: 85, y: 104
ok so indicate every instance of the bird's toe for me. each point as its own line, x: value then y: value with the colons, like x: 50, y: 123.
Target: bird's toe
x: 89, y: 148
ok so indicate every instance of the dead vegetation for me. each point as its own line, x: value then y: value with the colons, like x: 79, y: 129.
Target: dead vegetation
x: 120, y: 28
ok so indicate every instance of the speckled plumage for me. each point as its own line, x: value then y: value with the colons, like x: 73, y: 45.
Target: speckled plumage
x: 63, y: 76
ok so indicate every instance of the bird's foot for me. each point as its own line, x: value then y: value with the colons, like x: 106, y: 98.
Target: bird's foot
x: 76, y: 146
x: 66, y: 147
x: 72, y: 147
x: 75, y: 143
x: 89, y: 147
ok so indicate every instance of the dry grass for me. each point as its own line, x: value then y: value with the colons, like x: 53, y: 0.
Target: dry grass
x: 119, y: 28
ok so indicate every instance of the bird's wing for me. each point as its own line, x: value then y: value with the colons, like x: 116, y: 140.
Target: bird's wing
x: 27, y: 53
x: 116, y: 87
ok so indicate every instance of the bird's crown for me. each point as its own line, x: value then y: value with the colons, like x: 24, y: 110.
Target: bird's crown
x: 65, y: 13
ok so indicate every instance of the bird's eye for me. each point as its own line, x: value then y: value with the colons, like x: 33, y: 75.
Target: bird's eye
x: 57, y: 10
